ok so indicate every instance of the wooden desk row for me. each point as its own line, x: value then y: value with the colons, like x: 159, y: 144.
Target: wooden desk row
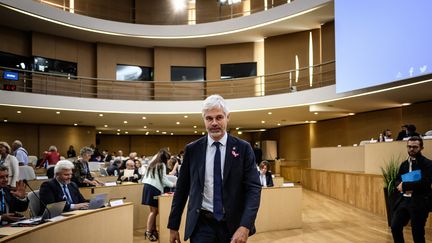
x: 110, y: 224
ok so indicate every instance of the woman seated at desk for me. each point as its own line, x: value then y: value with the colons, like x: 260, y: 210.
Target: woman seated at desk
x: 265, y: 175
x: 130, y: 174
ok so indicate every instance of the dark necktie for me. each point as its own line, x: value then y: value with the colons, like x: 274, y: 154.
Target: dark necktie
x: 217, y: 190
x: 68, y: 199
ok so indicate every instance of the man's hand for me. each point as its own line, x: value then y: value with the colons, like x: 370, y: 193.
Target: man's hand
x: 399, y: 187
x: 9, y: 217
x: 19, y: 190
x: 241, y: 235
x: 81, y: 206
x: 174, y: 236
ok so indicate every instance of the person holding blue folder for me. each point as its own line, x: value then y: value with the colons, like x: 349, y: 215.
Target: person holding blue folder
x: 414, y: 184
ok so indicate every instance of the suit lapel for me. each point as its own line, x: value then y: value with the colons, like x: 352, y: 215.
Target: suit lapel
x: 231, y: 146
x: 201, y: 160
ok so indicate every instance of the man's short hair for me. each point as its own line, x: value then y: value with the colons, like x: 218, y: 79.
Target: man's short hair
x: 52, y: 148
x: 212, y: 102
x: 416, y: 138
x: 3, y: 168
x: 63, y: 165
x: 18, y: 143
x: 86, y: 150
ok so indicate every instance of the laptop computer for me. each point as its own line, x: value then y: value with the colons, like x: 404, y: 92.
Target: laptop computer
x: 52, y: 210
x: 98, y: 201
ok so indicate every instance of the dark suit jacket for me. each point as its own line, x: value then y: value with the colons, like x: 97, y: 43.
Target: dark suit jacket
x: 51, y: 192
x: 14, y: 204
x: 241, y: 186
x: 269, y: 179
x: 420, y: 189
x: 79, y: 173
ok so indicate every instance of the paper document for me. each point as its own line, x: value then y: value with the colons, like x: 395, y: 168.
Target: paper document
x: 412, y: 176
x: 128, y: 173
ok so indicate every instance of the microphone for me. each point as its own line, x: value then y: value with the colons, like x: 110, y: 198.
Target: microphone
x: 40, y: 201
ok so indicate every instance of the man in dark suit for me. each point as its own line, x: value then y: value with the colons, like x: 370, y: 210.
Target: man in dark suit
x: 413, y: 200
x: 61, y: 188
x: 130, y: 166
x: 220, y: 178
x: 11, y: 201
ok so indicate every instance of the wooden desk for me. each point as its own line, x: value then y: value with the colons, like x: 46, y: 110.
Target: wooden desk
x: 110, y: 224
x: 278, y: 181
x: 133, y: 194
x: 280, y: 209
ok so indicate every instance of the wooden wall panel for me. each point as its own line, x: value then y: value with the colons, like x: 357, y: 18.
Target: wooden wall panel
x: 158, y: 12
x: 15, y: 41
x: 106, y: 9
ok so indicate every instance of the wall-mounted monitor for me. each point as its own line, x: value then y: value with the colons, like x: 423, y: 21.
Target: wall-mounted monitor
x: 187, y: 73
x: 238, y: 70
x: 48, y: 65
x: 10, y: 60
x: 379, y: 42
x: 9, y: 75
x: 133, y: 73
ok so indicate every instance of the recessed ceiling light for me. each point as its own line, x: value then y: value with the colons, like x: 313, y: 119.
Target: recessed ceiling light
x: 145, y: 126
x: 351, y: 114
x: 164, y: 132
x: 178, y: 123
x: 237, y: 128
x: 105, y: 125
x: 118, y: 130
x: 406, y: 104
x: 172, y: 133
x: 185, y: 116
x: 262, y: 122
x: 157, y: 130
x: 126, y: 132
x: 269, y: 113
x: 125, y: 122
x: 19, y: 112
x: 278, y: 124
x: 262, y: 130
x: 203, y: 133
x: 239, y: 132
x: 100, y: 132
x: 147, y: 133
x: 100, y: 114
x: 195, y: 131
x: 57, y: 112
x: 5, y: 120
x: 313, y: 121
x: 118, y: 133
x: 195, y: 126
x: 315, y: 113
x: 75, y: 124
x: 144, y: 117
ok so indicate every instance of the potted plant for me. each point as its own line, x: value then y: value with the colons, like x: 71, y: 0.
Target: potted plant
x: 389, y: 172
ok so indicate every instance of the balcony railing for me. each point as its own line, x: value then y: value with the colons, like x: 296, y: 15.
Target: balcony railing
x: 277, y: 83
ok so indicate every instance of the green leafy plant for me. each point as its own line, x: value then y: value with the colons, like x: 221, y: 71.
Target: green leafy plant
x: 389, y: 172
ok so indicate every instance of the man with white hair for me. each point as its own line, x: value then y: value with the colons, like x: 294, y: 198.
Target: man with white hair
x: 61, y: 188
x: 20, y: 153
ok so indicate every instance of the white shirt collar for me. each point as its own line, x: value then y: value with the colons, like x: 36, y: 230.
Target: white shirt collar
x: 223, y: 140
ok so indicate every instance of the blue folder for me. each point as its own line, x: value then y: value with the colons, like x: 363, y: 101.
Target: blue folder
x: 412, y: 176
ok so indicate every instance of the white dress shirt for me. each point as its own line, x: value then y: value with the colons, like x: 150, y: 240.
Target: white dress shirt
x: 207, y: 203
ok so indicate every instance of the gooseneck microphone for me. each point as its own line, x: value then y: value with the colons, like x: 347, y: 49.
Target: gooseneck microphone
x: 37, y: 196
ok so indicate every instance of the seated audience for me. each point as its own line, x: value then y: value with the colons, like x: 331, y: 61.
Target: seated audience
x: 114, y: 168
x: 141, y: 168
x: 130, y: 166
x: 106, y: 157
x: 10, y: 162
x: 265, y: 175
x: 20, y: 153
x: 403, y: 133
x: 81, y: 173
x: 12, y: 201
x: 411, y: 131
x: 387, y: 134
x: 71, y: 152
x: 50, y: 157
x: 61, y: 188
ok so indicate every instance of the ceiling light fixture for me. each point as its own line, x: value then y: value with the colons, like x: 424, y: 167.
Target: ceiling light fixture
x: 100, y: 114
x: 145, y: 126
x: 105, y: 125
x: 269, y: 113
x: 262, y: 122
x: 19, y: 112
x: 315, y: 113
x: 100, y: 132
x: 57, y: 112
x: 178, y: 123
x: 126, y: 132
x: 164, y: 132
x: 185, y: 116
x: 144, y: 117
x: 194, y: 126
x: 75, y: 124
x: 351, y: 114
x: 406, y: 104
x: 118, y: 130
x: 125, y: 122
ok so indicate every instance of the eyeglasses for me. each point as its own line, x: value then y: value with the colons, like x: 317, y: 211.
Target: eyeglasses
x: 413, y: 147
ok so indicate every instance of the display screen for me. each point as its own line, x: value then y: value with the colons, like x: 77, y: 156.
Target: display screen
x: 379, y: 42
x: 238, y: 70
x: 9, y: 75
x: 133, y: 73
x: 187, y: 73
x: 42, y: 64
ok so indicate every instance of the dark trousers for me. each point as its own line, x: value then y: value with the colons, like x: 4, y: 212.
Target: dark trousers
x: 414, y: 210
x: 209, y: 230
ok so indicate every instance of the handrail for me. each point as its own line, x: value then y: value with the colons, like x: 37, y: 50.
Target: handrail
x: 79, y: 86
x: 128, y: 14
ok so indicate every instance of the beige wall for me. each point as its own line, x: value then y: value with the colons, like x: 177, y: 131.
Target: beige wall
x: 294, y: 142
x: 37, y: 138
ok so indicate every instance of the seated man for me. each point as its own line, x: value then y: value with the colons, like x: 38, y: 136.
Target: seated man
x: 114, y: 169
x: 61, y: 188
x: 11, y: 201
x: 130, y: 166
x: 265, y: 175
